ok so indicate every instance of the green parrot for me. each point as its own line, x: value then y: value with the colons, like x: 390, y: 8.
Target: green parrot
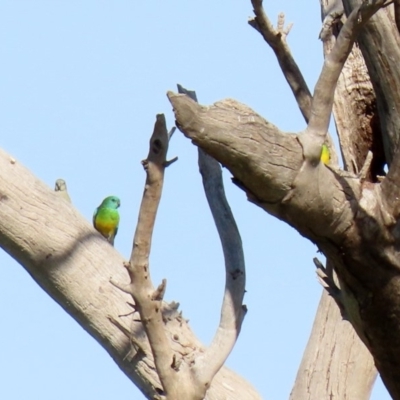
x: 325, y: 154
x: 106, y: 218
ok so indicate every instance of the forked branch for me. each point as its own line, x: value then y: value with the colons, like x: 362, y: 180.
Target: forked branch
x: 232, y: 311
x: 276, y: 39
x: 184, y: 380
x: 148, y: 300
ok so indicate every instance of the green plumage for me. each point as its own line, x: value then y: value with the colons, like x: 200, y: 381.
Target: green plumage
x: 106, y: 218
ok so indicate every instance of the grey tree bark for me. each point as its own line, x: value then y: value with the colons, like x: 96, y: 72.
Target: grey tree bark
x: 335, y: 361
x: 352, y: 220
x: 73, y: 264
x: 351, y: 214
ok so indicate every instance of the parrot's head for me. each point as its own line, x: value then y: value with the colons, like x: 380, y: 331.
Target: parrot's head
x: 60, y: 185
x: 111, y: 202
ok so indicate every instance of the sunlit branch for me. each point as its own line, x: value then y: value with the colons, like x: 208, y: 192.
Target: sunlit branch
x: 276, y: 39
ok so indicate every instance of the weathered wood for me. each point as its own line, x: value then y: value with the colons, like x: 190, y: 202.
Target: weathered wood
x: 73, y: 264
x: 232, y: 310
x: 356, y: 116
x: 335, y: 363
x: 268, y: 164
x: 335, y: 360
x: 380, y: 45
x: 345, y: 216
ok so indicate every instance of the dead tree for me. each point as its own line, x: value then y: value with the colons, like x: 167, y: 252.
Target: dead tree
x: 349, y: 213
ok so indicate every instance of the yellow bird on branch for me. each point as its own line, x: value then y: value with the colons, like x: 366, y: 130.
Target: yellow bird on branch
x: 325, y: 154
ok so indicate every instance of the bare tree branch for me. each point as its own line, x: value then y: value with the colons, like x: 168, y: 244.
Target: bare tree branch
x: 272, y: 174
x: 180, y: 380
x: 316, y: 131
x: 232, y: 311
x: 332, y: 11
x: 335, y: 361
x: 276, y: 38
x: 345, y: 217
x: 355, y: 111
x: 148, y: 300
x: 63, y: 253
x: 366, y: 167
x: 380, y: 46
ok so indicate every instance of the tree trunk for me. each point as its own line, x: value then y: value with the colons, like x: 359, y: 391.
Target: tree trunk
x: 350, y: 220
x: 335, y: 363
x: 351, y: 215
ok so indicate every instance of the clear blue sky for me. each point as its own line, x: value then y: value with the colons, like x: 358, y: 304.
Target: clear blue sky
x: 81, y: 83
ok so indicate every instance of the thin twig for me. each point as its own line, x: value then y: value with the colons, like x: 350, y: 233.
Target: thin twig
x: 366, y: 167
x: 276, y: 39
x: 232, y: 312
x: 171, y: 132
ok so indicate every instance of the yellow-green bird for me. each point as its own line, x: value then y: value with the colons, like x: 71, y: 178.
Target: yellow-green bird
x: 106, y: 218
x: 325, y: 154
